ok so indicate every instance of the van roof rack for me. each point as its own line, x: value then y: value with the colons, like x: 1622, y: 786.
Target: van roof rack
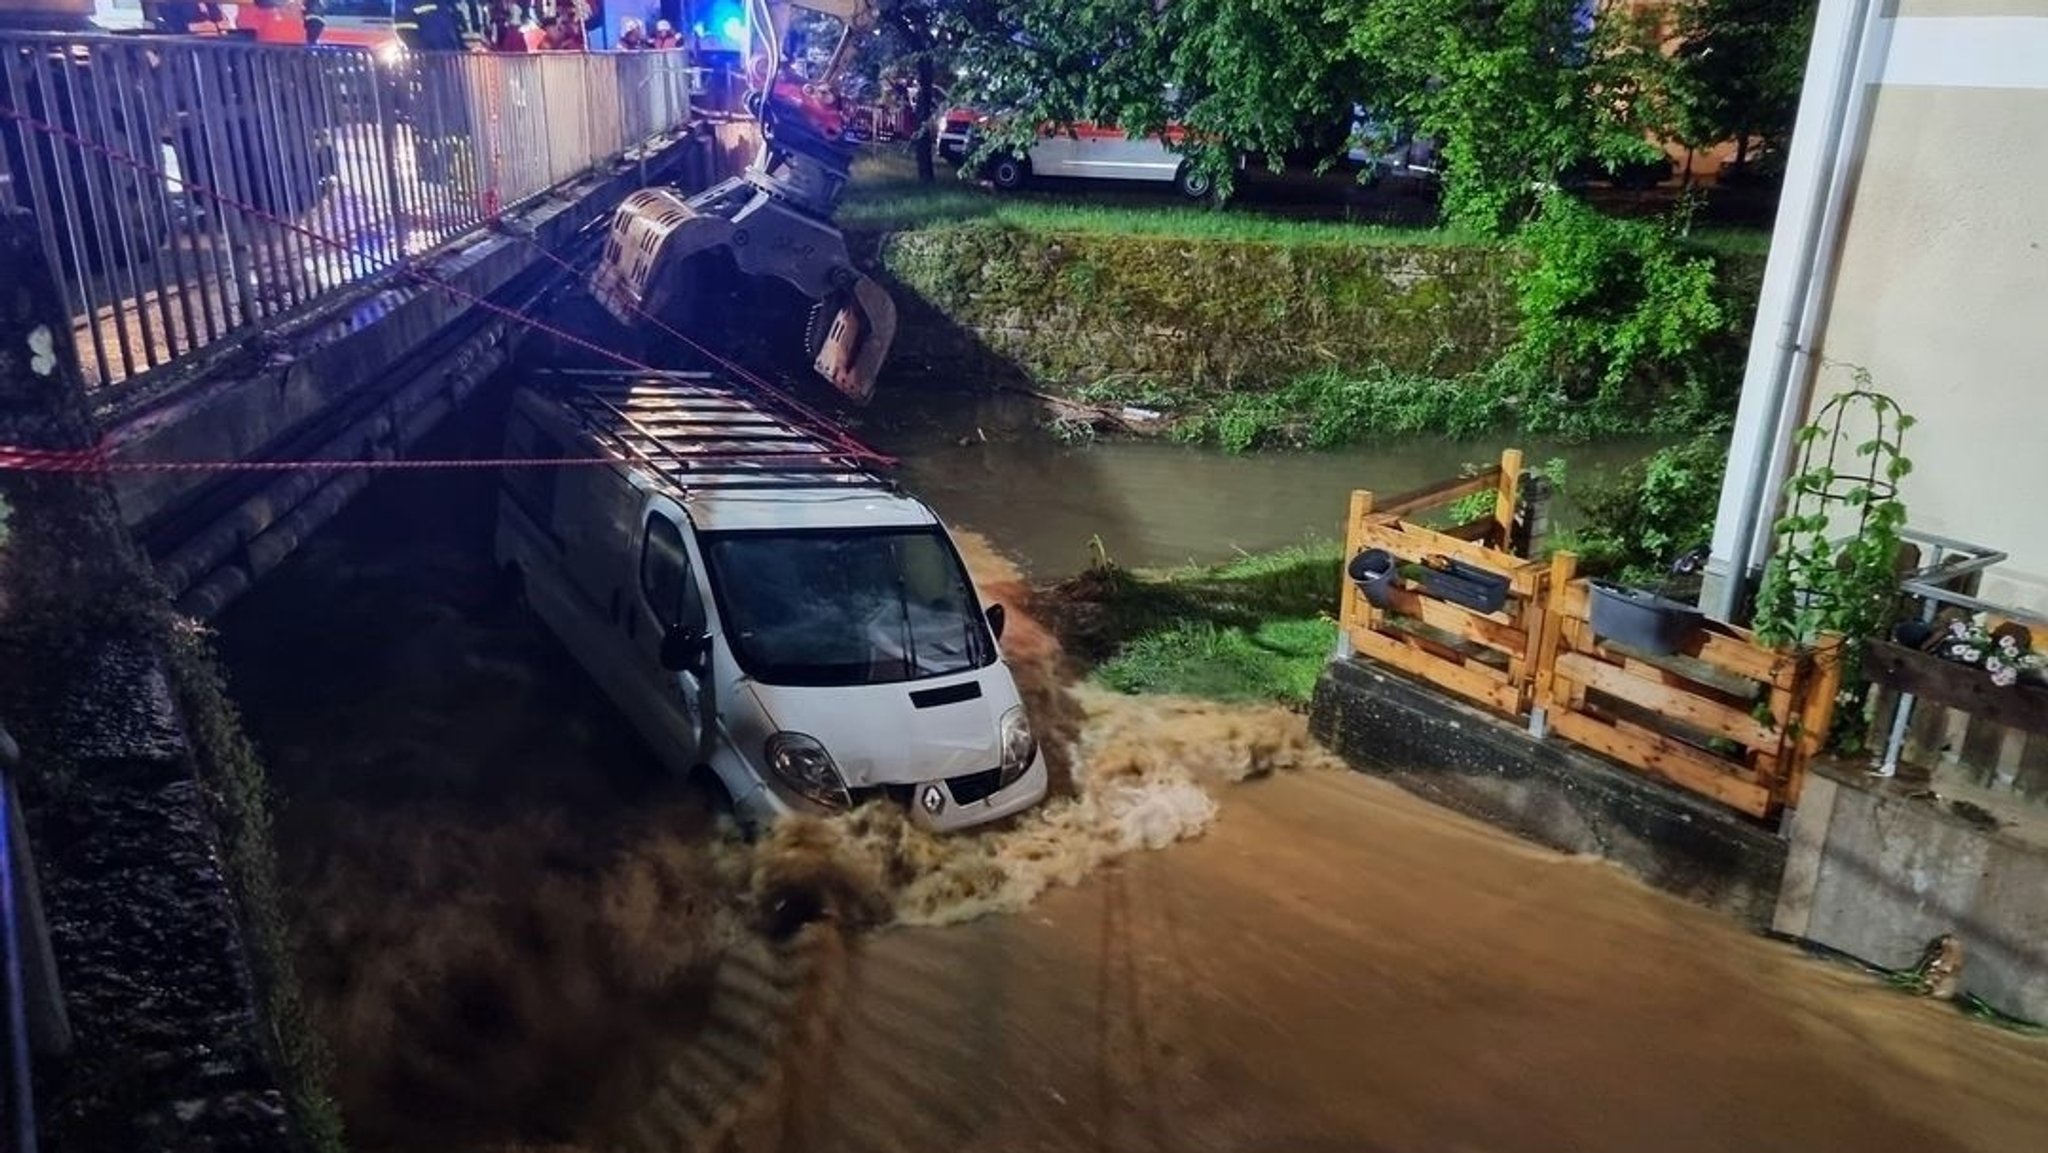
x: 701, y: 433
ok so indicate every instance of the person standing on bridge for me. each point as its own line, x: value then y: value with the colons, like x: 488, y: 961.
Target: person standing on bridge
x: 504, y: 27
x: 439, y: 114
x: 431, y: 25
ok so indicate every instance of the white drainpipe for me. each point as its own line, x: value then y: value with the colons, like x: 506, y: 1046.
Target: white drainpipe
x: 1842, y: 70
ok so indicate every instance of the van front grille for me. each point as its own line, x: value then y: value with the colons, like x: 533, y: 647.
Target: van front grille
x: 975, y: 786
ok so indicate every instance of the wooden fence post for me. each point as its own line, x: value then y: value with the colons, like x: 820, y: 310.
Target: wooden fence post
x: 1350, y: 604
x: 1507, y: 494
x: 1816, y: 713
x: 1563, y: 567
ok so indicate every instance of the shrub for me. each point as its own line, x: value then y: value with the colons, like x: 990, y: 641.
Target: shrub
x: 1617, y: 325
x: 1633, y: 527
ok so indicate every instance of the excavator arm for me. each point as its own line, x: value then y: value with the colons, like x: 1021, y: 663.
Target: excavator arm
x: 775, y: 219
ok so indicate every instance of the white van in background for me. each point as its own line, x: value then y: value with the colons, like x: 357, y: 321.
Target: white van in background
x: 1080, y: 151
x: 758, y: 603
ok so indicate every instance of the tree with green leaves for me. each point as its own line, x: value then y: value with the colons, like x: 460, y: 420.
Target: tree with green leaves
x: 1519, y: 91
x: 1741, y: 64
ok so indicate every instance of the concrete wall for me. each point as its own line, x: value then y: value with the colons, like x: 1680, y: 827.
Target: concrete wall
x: 1879, y: 876
x: 1072, y: 309
x: 1941, y: 289
x: 1456, y: 756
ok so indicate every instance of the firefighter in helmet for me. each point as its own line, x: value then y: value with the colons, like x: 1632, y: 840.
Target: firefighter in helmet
x: 432, y: 25
x: 439, y: 111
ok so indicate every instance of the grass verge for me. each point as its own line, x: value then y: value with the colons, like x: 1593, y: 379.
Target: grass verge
x: 239, y: 791
x: 1257, y: 628
x: 885, y: 196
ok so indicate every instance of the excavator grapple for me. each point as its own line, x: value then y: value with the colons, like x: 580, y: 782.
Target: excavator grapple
x: 772, y: 221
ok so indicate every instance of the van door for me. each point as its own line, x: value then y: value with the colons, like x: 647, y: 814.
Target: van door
x: 1052, y: 154
x: 670, y: 600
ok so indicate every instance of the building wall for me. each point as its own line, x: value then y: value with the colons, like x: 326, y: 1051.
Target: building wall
x: 1941, y: 288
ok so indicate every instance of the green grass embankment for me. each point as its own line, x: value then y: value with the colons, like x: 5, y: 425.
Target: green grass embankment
x: 1249, y: 330
x: 1258, y: 628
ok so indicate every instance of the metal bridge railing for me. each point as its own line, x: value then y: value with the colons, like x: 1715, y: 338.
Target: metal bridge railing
x: 326, y: 165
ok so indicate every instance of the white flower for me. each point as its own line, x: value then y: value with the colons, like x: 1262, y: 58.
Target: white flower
x: 1958, y: 629
x: 1994, y: 666
x: 2008, y: 643
x: 2005, y: 676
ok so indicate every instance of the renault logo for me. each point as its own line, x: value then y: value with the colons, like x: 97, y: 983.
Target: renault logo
x: 933, y: 799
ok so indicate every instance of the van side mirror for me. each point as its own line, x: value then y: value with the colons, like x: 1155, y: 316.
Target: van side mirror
x: 684, y: 649
x: 996, y: 617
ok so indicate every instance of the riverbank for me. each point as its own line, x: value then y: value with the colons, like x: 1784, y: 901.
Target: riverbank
x: 1240, y: 329
x: 147, y: 814
x: 1256, y: 629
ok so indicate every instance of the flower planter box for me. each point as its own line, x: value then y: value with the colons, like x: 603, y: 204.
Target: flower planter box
x: 1641, y: 619
x: 1949, y: 684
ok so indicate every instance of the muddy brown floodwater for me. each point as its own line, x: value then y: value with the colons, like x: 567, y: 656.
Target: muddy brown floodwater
x: 516, y: 935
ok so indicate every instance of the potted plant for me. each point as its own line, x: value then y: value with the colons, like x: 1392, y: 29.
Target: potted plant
x: 1834, y: 567
x: 1377, y: 573
x: 2005, y: 653
x: 1649, y: 620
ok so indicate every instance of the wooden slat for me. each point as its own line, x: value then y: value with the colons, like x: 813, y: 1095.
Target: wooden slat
x: 1351, y: 604
x: 1443, y: 492
x: 1687, y: 680
x: 1495, y: 630
x: 1816, y: 715
x: 1460, y: 679
x: 1410, y: 633
x: 1660, y: 756
x: 1411, y: 542
x: 1705, y: 715
x: 1741, y: 656
x: 1562, y: 566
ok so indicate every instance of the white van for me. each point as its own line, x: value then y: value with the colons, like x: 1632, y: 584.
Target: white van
x: 1079, y: 151
x: 760, y: 604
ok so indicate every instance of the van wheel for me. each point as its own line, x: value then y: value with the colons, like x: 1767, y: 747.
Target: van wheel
x: 1192, y: 182
x: 1009, y: 173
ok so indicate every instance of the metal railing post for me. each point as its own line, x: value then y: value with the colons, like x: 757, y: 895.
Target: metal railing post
x: 385, y: 124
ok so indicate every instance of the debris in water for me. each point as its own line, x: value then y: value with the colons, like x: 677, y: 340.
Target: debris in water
x: 1939, y: 968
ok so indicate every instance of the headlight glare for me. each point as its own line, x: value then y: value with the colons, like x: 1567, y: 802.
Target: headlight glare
x: 801, y: 763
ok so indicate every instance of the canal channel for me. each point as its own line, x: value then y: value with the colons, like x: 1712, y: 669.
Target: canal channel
x: 495, y: 891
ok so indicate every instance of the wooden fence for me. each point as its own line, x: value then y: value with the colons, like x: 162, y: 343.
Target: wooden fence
x: 1487, y: 658
x: 1722, y: 715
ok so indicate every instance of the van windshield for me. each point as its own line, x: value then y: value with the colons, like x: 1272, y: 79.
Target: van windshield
x: 870, y: 607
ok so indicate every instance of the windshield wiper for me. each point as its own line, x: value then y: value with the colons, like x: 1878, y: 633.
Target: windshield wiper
x: 910, y: 664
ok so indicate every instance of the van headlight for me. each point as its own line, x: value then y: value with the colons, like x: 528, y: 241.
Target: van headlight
x: 1020, y: 748
x: 803, y: 764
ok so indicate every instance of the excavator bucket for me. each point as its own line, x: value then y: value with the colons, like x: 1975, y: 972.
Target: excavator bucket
x: 850, y: 353
x: 643, y: 277
x: 653, y: 228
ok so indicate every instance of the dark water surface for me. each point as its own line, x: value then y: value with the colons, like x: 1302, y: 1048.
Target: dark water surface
x: 987, y: 465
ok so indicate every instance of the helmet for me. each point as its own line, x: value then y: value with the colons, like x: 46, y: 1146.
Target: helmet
x: 663, y: 26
